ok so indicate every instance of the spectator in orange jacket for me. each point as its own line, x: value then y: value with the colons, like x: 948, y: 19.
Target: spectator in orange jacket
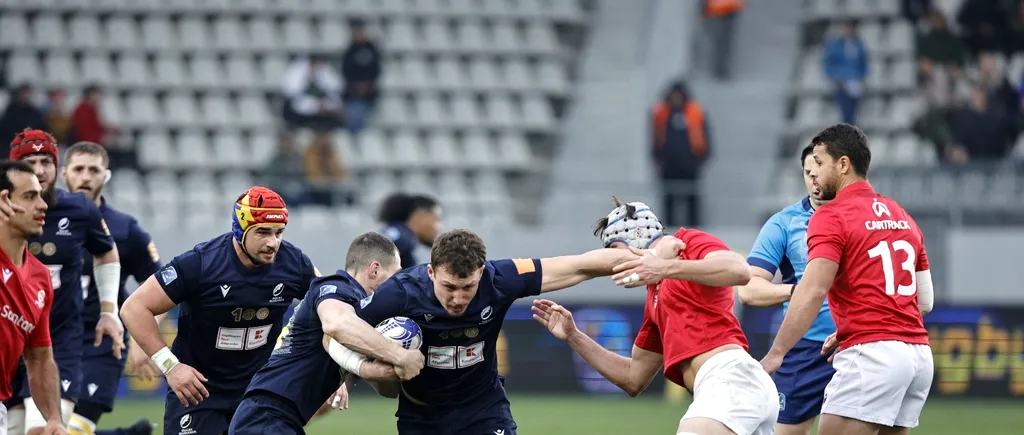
x: 720, y: 16
x: 681, y: 146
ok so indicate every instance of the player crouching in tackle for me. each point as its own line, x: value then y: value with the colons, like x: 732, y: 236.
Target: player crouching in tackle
x: 309, y: 362
x: 688, y: 326
x: 232, y: 293
x: 459, y: 301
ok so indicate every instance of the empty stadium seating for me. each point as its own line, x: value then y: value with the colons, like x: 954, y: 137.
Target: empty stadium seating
x: 467, y: 86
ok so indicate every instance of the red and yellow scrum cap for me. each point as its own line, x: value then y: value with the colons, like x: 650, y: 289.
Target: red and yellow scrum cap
x: 31, y: 142
x: 258, y: 206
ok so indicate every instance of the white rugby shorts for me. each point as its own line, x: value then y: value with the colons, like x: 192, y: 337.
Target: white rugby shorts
x: 3, y: 419
x: 884, y: 382
x: 733, y: 389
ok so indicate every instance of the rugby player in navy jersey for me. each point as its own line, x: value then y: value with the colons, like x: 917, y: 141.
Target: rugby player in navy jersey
x: 301, y: 374
x: 410, y: 221
x: 86, y: 170
x: 74, y: 226
x: 459, y: 301
x: 232, y: 292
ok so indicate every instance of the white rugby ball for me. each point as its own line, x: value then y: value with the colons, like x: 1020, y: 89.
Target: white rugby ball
x: 402, y: 330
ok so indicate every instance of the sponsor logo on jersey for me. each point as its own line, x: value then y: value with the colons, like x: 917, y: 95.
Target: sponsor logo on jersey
x: 62, y: 227
x: 41, y: 298
x: 17, y: 319
x: 887, y: 225
x: 880, y: 209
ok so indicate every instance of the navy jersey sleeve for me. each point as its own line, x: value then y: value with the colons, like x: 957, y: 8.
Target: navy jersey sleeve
x: 389, y: 300
x: 98, y: 240
x: 332, y: 288
x: 142, y: 260
x: 180, y: 277
x: 518, y: 278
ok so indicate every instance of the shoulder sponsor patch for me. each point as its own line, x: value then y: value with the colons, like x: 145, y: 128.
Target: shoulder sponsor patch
x: 524, y: 265
x: 153, y: 254
x: 327, y: 289
x: 168, y: 275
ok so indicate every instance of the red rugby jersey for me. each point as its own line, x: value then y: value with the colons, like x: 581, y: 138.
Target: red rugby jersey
x: 26, y: 294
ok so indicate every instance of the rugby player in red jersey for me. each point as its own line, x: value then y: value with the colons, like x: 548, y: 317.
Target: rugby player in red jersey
x: 870, y: 253
x: 26, y: 295
x: 689, y: 327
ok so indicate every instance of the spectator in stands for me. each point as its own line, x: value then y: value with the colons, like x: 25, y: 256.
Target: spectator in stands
x: 58, y: 122
x: 361, y: 67
x: 21, y: 113
x: 915, y: 10
x: 323, y: 170
x: 1000, y: 92
x: 720, y: 16
x: 286, y: 172
x: 681, y: 147
x: 846, y: 64
x: 939, y: 47
x: 986, y: 24
x: 312, y: 92
x: 87, y: 122
x: 982, y: 129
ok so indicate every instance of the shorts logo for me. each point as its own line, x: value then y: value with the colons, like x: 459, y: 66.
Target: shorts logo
x: 92, y: 389
x: 64, y: 383
x: 62, y: 227
x: 782, y: 402
x: 499, y: 432
x: 185, y: 422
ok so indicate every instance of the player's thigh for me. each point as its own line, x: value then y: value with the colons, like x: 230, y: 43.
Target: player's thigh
x: 179, y: 420
x: 801, y: 381
x: 837, y: 424
x: 257, y: 416
x: 917, y: 392
x: 101, y: 376
x: 795, y: 429
x: 870, y: 382
x: 732, y: 389
x: 703, y: 426
x: 34, y: 418
x: 894, y: 431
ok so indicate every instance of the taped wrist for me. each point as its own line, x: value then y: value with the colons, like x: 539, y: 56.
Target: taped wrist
x: 165, y: 360
x: 348, y: 359
x: 108, y: 283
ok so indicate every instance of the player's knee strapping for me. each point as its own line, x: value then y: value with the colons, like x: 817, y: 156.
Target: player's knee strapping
x: 79, y: 425
x: 16, y: 421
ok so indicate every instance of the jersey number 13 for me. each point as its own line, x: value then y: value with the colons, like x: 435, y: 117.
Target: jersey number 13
x: 883, y: 250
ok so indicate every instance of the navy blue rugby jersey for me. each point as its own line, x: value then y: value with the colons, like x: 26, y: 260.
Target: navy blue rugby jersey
x: 73, y: 232
x: 229, y: 316
x: 461, y: 363
x: 300, y: 370
x: 406, y: 242
x: 139, y: 260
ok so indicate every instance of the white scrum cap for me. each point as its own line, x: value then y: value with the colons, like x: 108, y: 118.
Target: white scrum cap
x: 638, y: 230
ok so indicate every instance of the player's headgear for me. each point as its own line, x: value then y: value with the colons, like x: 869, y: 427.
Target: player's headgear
x: 639, y: 229
x: 257, y: 207
x: 31, y: 142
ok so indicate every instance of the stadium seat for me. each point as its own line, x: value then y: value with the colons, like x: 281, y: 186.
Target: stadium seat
x: 228, y: 151
x: 824, y: 9
x: 121, y: 33
x: 440, y: 147
x: 471, y: 37
x: 505, y: 39
x: 430, y: 112
x: 110, y: 107
x: 262, y: 148
x: 193, y: 34
x: 132, y: 71
x: 262, y: 34
x: 401, y: 37
x: 193, y: 150
x: 15, y: 32
x: 490, y: 187
x: 903, y: 75
x: 227, y: 33
x: 85, y: 32
x: 298, y: 35
x: 465, y: 112
x: 217, y: 111
x: 517, y: 77
x: 393, y: 111
x: 169, y: 71
x: 22, y: 67
x: 478, y: 151
x: 537, y: 114
x: 541, y: 39
x: 567, y: 11
x: 333, y: 34
x: 241, y: 72
x: 234, y: 183
x: 48, y: 32
x: 205, y: 72
x: 179, y: 110
x: 437, y: 37
x: 342, y: 142
x: 157, y: 33
x: 450, y: 75
x: 97, y: 69
x: 254, y: 112
x: 272, y: 71
x: 452, y: 187
x: 416, y: 77
x: 141, y: 111
x: 900, y: 38
x: 406, y: 150
x: 905, y: 150
x: 154, y: 149
x: 379, y: 184
x: 500, y: 113
x: 202, y: 192
x: 553, y: 77
x: 418, y: 182
x: 60, y: 70
x: 871, y: 33
x: 811, y: 77
x: 372, y: 148
x: 513, y: 151
x: 484, y: 75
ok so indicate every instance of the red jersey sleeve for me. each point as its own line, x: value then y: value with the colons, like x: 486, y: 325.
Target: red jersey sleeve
x: 41, y: 335
x: 699, y: 244
x: 825, y: 235
x: 922, y: 257
x: 649, y: 338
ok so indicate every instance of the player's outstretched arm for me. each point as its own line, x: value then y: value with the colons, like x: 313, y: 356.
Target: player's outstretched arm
x: 42, y: 381
x: 803, y: 309
x: 721, y: 268
x: 569, y: 270
x: 761, y: 292
x: 632, y: 375
x: 341, y: 323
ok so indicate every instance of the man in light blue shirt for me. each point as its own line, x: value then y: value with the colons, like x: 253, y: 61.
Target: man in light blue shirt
x: 782, y: 246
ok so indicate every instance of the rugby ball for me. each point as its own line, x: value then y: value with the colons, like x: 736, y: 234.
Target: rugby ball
x: 403, y: 331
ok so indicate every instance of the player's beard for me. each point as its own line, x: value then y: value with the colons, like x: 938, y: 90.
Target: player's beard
x: 828, y: 192
x: 50, y: 195
x: 90, y: 193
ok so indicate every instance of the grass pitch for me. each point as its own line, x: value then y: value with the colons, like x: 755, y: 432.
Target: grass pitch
x: 560, y: 415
